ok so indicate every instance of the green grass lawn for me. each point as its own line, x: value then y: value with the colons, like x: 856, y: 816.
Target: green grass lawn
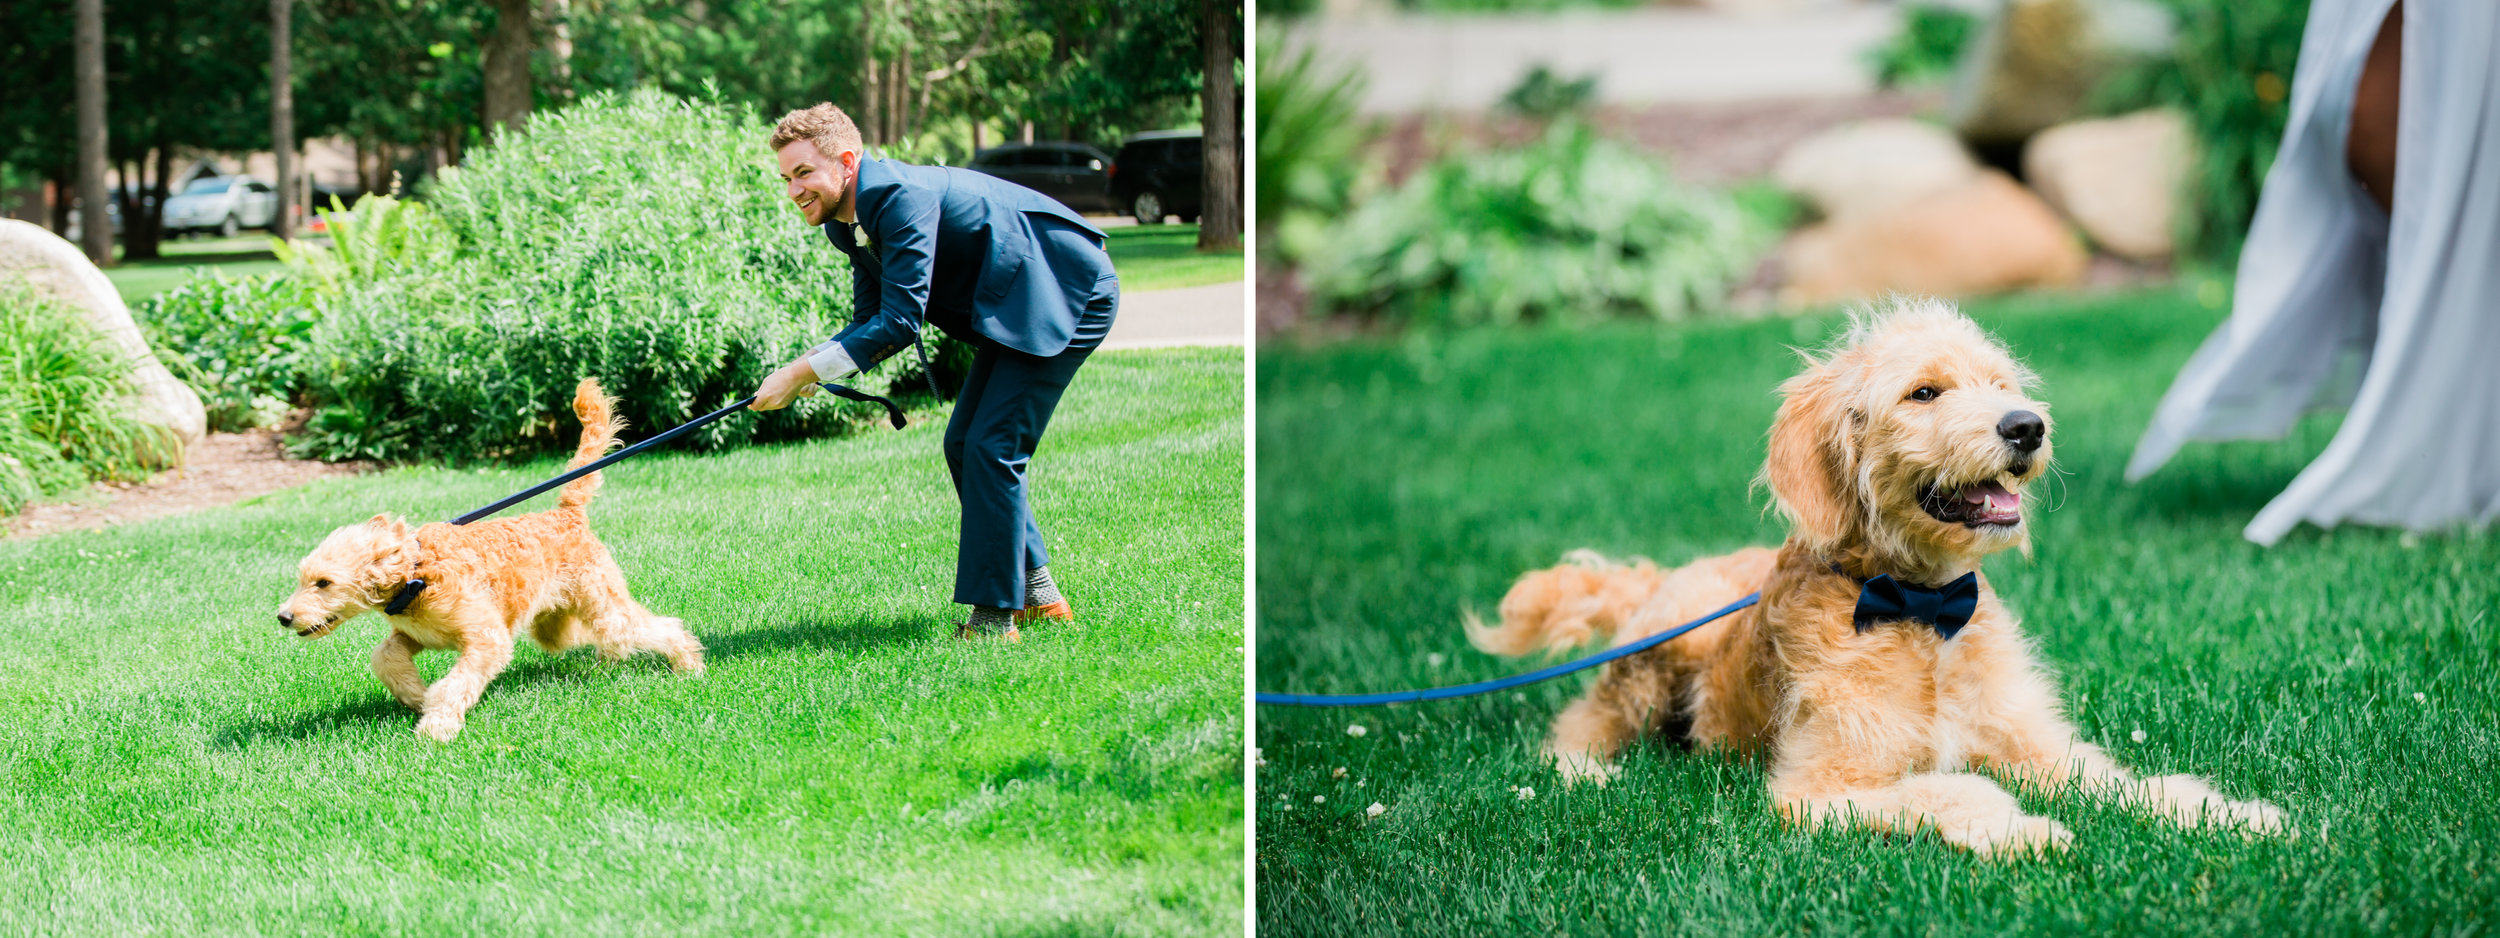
x: 170, y: 762
x: 2349, y: 676
x: 239, y: 256
x: 1161, y: 257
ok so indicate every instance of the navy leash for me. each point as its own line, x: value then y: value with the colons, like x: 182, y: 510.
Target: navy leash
x: 1487, y: 687
x: 407, y: 592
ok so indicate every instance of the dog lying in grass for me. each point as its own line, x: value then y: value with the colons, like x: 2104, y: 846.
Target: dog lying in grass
x: 1900, y: 459
x: 484, y: 584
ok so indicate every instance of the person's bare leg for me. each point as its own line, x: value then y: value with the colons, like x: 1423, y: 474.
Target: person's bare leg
x: 2370, y: 146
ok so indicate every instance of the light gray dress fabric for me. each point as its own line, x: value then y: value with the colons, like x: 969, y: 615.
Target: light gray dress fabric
x: 2340, y: 304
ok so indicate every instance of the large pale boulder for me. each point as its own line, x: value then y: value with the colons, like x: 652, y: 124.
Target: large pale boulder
x: 1873, y: 166
x: 2118, y: 179
x: 1989, y: 235
x: 31, y: 255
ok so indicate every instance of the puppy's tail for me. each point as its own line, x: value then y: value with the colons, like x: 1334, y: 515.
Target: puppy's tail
x: 1566, y: 605
x: 599, y: 425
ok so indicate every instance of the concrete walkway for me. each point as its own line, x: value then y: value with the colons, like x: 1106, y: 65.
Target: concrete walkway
x: 1646, y: 56
x: 1215, y: 314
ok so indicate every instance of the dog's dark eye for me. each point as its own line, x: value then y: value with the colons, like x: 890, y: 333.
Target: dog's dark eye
x: 1925, y: 393
x: 321, y: 584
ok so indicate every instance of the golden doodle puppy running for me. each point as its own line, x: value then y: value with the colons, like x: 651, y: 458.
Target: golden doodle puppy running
x: 484, y: 584
x: 1879, y: 669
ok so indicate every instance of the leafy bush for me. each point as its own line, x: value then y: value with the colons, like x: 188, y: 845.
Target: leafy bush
x: 239, y: 343
x: 2231, y: 75
x: 1927, y: 46
x: 62, y: 395
x: 642, y: 239
x: 1310, y: 147
x: 1543, y: 95
x: 1570, y: 228
x: 381, y: 237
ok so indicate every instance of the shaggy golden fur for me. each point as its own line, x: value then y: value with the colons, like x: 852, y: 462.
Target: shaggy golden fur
x: 485, y: 583
x: 1881, y: 728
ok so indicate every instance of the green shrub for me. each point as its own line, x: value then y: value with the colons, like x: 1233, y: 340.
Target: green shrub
x: 1927, y: 46
x: 381, y: 237
x: 240, y: 343
x: 642, y: 239
x: 1310, y: 151
x: 1569, y: 228
x: 62, y: 395
x: 2231, y: 74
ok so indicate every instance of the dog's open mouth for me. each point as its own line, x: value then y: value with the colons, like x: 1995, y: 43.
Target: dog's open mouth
x: 1979, y: 504
x: 315, y: 631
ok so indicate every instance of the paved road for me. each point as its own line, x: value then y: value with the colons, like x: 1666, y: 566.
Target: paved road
x: 1647, y: 56
x: 1216, y: 314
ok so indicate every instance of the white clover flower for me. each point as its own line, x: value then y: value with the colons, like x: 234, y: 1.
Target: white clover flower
x: 1356, y: 730
x: 1376, y: 810
x: 1338, y: 772
x: 1319, y: 799
x: 2419, y: 697
x: 1525, y: 792
x: 1435, y: 659
x: 2138, y: 736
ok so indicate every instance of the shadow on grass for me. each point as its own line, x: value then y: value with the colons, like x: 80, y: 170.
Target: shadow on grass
x: 849, y: 635
x: 854, y: 635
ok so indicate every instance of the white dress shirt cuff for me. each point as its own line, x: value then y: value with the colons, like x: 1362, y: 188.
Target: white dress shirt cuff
x: 831, y: 362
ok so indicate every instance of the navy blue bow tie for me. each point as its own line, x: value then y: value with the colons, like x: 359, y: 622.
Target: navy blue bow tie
x: 1884, y: 599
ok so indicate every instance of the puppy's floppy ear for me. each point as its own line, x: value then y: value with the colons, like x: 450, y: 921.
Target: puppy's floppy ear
x: 393, y: 547
x: 1809, y: 459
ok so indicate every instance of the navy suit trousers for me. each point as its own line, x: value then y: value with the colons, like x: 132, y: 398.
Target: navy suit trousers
x: 999, y: 418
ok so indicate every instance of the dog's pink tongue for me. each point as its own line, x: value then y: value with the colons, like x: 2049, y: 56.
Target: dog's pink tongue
x: 1994, y: 497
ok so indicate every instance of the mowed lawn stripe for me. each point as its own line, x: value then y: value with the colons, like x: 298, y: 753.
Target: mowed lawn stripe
x: 1402, y: 482
x: 171, y: 760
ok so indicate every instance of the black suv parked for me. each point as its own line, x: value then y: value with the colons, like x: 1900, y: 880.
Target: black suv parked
x: 1158, y: 174
x: 1073, y: 173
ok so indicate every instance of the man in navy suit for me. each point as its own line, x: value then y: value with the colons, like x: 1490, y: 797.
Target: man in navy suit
x: 1021, y: 278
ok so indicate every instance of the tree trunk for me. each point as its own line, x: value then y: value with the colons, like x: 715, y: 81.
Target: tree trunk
x: 507, y: 67
x: 282, y: 113
x: 156, y: 200
x: 97, y: 238
x: 1219, y: 218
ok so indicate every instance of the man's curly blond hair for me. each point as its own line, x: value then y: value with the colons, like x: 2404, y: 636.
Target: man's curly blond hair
x: 823, y: 125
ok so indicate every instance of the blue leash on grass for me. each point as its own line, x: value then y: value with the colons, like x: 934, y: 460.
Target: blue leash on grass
x: 1487, y: 687
x: 407, y: 592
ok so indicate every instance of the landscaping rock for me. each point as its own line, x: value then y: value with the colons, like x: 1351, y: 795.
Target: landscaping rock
x: 1873, y: 166
x: 2031, y: 64
x: 35, y: 256
x: 2118, y: 179
x: 1988, y: 235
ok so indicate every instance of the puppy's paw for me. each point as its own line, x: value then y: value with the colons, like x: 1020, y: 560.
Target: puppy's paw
x: 1578, y: 767
x: 2191, y: 801
x: 689, y: 665
x: 440, y: 729
x: 2022, y: 835
x: 2252, y: 817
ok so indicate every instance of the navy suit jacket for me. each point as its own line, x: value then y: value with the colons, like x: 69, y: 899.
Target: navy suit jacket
x: 960, y: 249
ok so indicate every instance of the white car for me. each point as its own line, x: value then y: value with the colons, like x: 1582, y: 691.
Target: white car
x: 223, y: 204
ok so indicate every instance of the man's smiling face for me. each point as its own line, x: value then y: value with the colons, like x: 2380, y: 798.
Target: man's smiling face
x: 814, y: 179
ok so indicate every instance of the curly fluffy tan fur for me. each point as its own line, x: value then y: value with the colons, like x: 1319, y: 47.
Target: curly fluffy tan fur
x: 485, y: 583
x: 1885, y: 727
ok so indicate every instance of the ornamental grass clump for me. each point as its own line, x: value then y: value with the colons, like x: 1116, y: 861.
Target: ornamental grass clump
x: 640, y: 238
x: 1569, y: 228
x: 64, y: 398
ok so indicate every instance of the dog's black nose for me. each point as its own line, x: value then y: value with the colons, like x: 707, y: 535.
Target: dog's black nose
x: 2023, y: 429
x: 286, y: 618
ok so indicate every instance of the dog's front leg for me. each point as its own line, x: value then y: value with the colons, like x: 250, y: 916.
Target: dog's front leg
x: 396, y: 664
x: 1837, y: 765
x: 483, y: 655
x: 2036, y: 745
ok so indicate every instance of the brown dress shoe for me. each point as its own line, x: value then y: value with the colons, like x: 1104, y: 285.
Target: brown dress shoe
x: 1058, y: 610
x: 965, y: 631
